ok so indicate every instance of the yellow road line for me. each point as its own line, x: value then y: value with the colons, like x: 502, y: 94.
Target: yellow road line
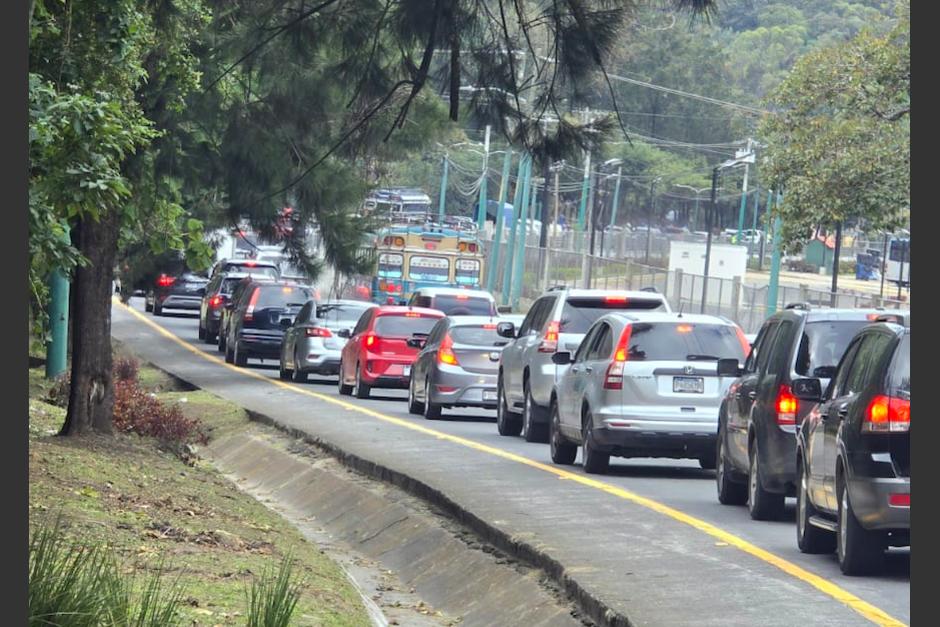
x: 869, y: 611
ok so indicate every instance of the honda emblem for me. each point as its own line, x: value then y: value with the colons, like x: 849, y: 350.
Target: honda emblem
x: 690, y: 369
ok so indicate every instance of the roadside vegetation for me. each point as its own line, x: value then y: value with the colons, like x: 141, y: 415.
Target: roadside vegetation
x: 135, y: 529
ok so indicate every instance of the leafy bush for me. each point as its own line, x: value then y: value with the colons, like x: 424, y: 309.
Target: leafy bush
x: 273, y: 598
x: 125, y: 369
x: 58, y: 394
x: 80, y: 583
x: 137, y: 411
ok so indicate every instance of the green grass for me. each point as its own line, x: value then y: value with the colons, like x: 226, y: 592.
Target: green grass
x: 149, y: 506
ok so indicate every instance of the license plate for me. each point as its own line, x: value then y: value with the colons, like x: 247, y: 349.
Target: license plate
x: 406, y: 371
x: 489, y: 395
x: 695, y: 385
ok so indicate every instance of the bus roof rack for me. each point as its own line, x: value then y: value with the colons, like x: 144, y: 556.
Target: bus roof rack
x: 802, y: 306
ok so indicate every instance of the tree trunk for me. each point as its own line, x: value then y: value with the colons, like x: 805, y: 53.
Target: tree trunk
x: 91, y: 399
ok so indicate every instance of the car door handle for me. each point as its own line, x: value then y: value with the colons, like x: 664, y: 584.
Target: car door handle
x: 843, y: 410
x: 588, y: 369
x: 752, y: 395
x: 575, y: 369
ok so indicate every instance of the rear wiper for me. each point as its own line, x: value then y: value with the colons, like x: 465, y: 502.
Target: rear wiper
x: 696, y: 357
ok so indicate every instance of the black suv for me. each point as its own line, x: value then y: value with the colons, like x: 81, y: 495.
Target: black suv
x: 218, y: 292
x: 182, y: 291
x: 757, y: 420
x: 853, y: 453
x: 258, y: 319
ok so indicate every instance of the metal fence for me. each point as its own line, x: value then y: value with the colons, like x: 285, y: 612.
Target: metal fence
x: 745, y: 304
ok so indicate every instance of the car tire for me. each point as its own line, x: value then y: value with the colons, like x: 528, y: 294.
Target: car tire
x: 562, y: 451
x: 532, y: 431
x: 148, y: 307
x: 414, y: 406
x: 360, y: 389
x: 761, y: 504
x: 344, y: 390
x: 809, y: 538
x: 299, y: 376
x: 201, y: 332
x: 730, y: 492
x: 432, y: 410
x: 229, y: 355
x: 222, y: 341
x: 283, y: 373
x: 507, y: 422
x: 241, y: 359
x: 210, y: 338
x: 860, y: 551
x: 157, y: 309
x: 593, y: 461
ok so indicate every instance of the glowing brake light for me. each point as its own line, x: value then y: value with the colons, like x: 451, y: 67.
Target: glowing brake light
x: 250, y: 312
x: 318, y: 332
x: 615, y: 299
x: 251, y: 264
x: 899, y: 500
x: 445, y: 354
x: 166, y: 281
x: 489, y: 327
x: 887, y: 414
x: 684, y: 328
x: 462, y: 297
x: 613, y: 380
x: 549, y: 343
x: 786, y: 405
x: 412, y: 314
x: 370, y: 340
x: 215, y: 302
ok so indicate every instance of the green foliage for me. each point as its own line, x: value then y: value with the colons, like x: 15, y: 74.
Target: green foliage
x: 273, y: 598
x: 840, y: 142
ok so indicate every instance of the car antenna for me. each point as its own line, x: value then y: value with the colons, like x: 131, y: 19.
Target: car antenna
x: 681, y: 305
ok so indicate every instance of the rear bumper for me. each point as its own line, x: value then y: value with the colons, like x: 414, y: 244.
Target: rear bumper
x: 869, y: 499
x: 470, y: 390
x: 253, y: 346
x: 671, y: 435
x: 173, y: 301
x: 385, y: 382
x: 778, y: 460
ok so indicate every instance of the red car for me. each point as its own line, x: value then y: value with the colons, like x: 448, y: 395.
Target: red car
x: 382, y: 348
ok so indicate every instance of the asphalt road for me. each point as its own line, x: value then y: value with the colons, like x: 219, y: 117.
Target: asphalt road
x: 673, y: 565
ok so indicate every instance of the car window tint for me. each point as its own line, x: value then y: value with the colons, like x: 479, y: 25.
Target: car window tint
x: 899, y: 377
x: 603, y: 345
x: 766, y: 348
x: 865, y: 369
x: 837, y: 385
x: 751, y: 364
x: 454, y: 305
x: 681, y: 341
x: 585, y: 347
x: 545, y: 314
x: 392, y: 325
x: 527, y: 322
x: 579, y: 313
x: 229, y: 285
x: 477, y: 335
x: 275, y: 296
x: 337, y: 313
x: 780, y: 353
x: 364, y: 321
x: 823, y: 343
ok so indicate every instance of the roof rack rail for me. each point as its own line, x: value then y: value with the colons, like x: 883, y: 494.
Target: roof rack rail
x: 895, y: 318
x: 557, y: 288
x: 802, y: 306
x: 649, y: 289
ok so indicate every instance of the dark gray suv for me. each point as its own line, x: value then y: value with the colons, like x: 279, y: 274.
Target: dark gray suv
x: 757, y: 421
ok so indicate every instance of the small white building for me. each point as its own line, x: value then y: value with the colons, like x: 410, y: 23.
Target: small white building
x: 727, y: 260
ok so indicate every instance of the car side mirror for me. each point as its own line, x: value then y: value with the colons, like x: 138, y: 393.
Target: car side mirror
x: 824, y: 372
x: 561, y: 359
x: 344, y: 333
x: 506, y: 329
x: 807, y: 389
x: 729, y: 368
x: 416, y: 342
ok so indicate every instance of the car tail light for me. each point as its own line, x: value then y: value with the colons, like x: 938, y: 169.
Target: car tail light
x: 462, y: 297
x: 887, y: 414
x: 412, y: 314
x: 489, y: 327
x: 445, y: 354
x: 370, y: 340
x: 786, y: 405
x: 549, y: 343
x: 250, y: 312
x: 683, y: 328
x: 745, y: 345
x: 215, y: 302
x: 899, y: 500
x: 166, y: 281
x: 615, y: 299
x: 318, y: 332
x: 613, y: 380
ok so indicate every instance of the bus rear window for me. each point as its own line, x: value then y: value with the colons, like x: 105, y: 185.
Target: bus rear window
x: 427, y: 268
x: 390, y: 265
x: 467, y: 272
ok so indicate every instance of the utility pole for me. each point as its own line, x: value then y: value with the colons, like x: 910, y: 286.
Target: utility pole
x: 835, y: 264
x: 441, y: 200
x: 708, y: 237
x: 774, y: 263
x: 481, y: 215
x: 498, y: 232
x: 649, y: 220
x: 763, y: 234
x: 518, y: 270
x: 543, y: 217
x: 754, y: 223
x: 901, y: 266
x: 586, y: 182
x: 587, y: 260
x: 511, y: 244
x: 743, y: 195
x: 613, y: 214
x: 884, y: 267
x: 57, y: 348
x: 548, y: 257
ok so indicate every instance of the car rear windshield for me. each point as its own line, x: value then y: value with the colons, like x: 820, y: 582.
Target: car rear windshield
x: 823, y: 343
x: 453, y: 305
x: 580, y: 313
x: 681, y: 341
x: 477, y: 335
x: 268, y: 271
x: 341, y: 314
x: 228, y: 285
x: 899, y: 381
x: 400, y: 325
x: 279, y: 296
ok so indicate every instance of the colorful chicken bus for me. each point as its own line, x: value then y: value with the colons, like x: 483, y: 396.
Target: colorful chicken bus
x: 410, y: 256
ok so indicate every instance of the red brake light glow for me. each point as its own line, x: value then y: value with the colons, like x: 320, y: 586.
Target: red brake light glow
x: 887, y: 414
x: 489, y: 327
x: 250, y: 312
x: 684, y: 328
x: 166, y: 281
x: 787, y: 405
x: 462, y: 297
x: 445, y: 354
x: 251, y: 264
x: 614, y: 377
x: 549, y: 343
x: 899, y: 500
x: 215, y: 301
x: 615, y: 299
x: 412, y: 314
x: 318, y: 332
x: 370, y: 340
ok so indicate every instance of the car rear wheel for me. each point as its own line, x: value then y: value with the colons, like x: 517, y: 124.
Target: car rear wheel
x: 414, y: 406
x: 809, y: 538
x: 531, y: 430
x: 507, y: 422
x: 229, y: 355
x: 284, y: 374
x: 360, y: 389
x: 432, y: 410
x: 562, y: 451
x: 344, y: 390
x: 861, y: 551
x: 201, y: 333
x: 157, y: 309
x: 210, y: 337
x: 241, y: 359
x: 729, y: 492
x: 593, y: 461
x: 299, y: 375
x: 148, y: 307
x: 761, y: 504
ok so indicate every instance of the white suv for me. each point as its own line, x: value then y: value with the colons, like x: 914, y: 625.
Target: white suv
x: 557, y: 321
